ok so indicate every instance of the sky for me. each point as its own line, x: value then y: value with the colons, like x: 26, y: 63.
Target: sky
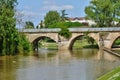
x: 35, y: 10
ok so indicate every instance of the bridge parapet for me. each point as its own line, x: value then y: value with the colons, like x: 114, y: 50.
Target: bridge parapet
x: 45, y: 30
x: 106, y: 29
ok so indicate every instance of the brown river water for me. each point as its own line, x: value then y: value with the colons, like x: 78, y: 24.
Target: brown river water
x: 83, y: 64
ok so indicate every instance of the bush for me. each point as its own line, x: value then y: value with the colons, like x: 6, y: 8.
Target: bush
x: 24, y: 45
x: 65, y: 32
x: 57, y: 25
x: 73, y: 24
x: 66, y: 24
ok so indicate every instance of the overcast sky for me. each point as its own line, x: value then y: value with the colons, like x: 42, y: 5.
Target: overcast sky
x: 35, y: 10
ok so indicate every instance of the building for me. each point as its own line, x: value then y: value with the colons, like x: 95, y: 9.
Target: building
x: 82, y: 20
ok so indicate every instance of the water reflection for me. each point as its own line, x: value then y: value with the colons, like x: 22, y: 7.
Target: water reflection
x: 84, y: 64
x: 7, y: 68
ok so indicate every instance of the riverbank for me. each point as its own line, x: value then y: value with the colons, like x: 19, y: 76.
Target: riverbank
x: 112, y: 52
x: 79, y: 44
x: 113, y: 75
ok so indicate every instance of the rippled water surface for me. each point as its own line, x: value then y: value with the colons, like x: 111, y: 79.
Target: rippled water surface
x: 83, y: 64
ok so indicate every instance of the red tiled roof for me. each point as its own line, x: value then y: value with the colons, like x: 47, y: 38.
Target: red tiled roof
x: 77, y: 18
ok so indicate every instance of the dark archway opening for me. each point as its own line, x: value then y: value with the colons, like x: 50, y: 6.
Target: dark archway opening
x: 116, y: 43
x: 85, y: 42
x: 44, y: 43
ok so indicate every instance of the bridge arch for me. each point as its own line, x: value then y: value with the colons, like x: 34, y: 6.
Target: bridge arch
x: 38, y: 38
x: 115, y: 45
x: 113, y: 41
x: 41, y: 38
x: 76, y: 35
x: 35, y: 36
x: 112, y: 37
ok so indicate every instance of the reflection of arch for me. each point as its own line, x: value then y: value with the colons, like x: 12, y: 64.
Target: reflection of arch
x: 73, y: 39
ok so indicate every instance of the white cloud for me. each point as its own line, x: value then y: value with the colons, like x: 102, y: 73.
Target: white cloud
x: 30, y: 13
x: 49, y: 2
x: 68, y: 7
x: 56, y: 7
x: 52, y: 5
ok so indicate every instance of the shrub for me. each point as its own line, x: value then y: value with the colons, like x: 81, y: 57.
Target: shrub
x: 65, y: 32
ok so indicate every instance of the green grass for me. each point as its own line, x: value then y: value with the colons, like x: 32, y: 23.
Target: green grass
x: 48, y: 45
x: 117, y: 42
x: 113, y: 75
x: 79, y: 44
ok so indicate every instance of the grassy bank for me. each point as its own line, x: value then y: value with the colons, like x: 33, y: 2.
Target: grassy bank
x: 48, y: 45
x: 83, y: 44
x: 79, y: 44
x: 113, y: 75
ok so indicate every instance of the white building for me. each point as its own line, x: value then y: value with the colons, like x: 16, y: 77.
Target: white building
x: 82, y: 20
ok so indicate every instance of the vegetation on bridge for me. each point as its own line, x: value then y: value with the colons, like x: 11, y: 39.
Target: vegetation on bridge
x: 54, y: 20
x: 11, y: 40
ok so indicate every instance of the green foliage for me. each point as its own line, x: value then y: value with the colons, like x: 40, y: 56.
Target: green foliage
x: 64, y: 27
x: 117, y: 42
x: 29, y: 25
x: 104, y: 12
x: 73, y: 24
x: 112, y: 75
x: 95, y: 46
x: 65, y: 32
x: 66, y: 24
x: 90, y: 40
x: 57, y: 25
x: 54, y: 20
x: 9, y: 37
x: 83, y: 43
x: 63, y: 16
x: 24, y: 45
x: 51, y: 18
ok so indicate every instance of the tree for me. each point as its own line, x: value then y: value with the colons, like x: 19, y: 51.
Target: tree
x: 29, y: 25
x: 104, y: 12
x: 10, y: 38
x: 7, y: 26
x: 63, y: 16
x: 51, y: 18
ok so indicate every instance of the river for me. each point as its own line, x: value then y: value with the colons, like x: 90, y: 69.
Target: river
x: 83, y: 64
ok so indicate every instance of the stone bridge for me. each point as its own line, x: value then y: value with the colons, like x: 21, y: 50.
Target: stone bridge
x: 103, y: 36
